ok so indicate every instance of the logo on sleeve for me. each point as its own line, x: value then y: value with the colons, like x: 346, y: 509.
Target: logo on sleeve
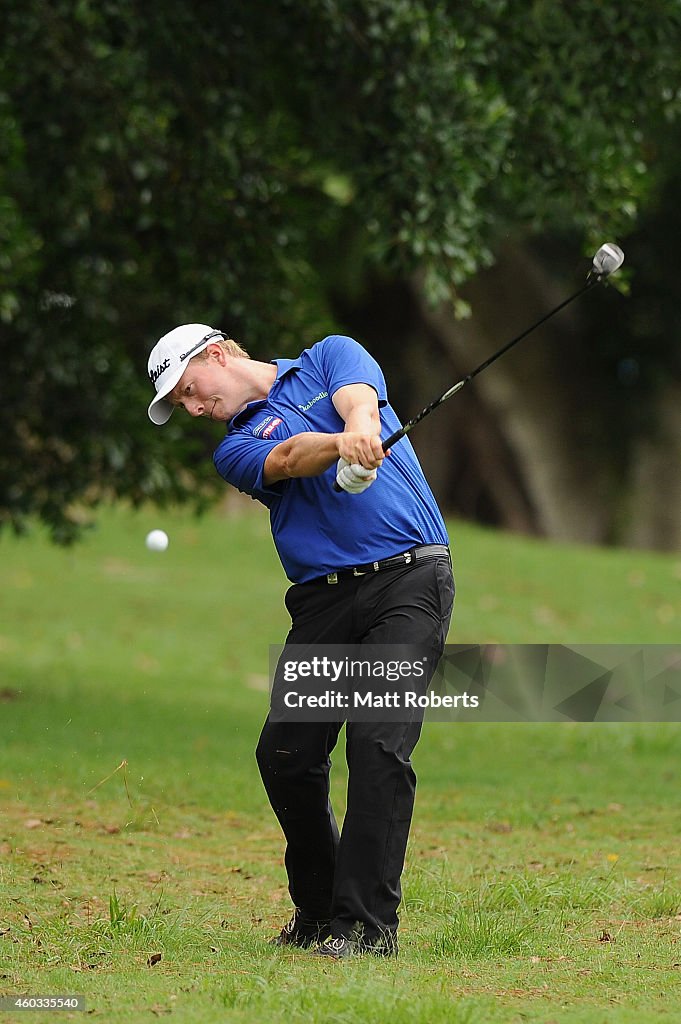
x: 257, y: 430
x: 272, y: 426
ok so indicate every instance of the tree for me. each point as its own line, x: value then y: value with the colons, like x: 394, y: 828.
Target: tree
x: 252, y: 165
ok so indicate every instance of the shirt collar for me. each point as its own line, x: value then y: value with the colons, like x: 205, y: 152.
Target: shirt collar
x: 284, y: 366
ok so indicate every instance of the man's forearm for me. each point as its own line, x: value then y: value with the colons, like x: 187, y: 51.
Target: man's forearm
x: 307, y: 454
x: 363, y: 419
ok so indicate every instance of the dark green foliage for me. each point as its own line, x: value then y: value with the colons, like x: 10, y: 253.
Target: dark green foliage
x: 228, y: 162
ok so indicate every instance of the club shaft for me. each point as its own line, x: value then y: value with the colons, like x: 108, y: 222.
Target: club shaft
x: 389, y: 441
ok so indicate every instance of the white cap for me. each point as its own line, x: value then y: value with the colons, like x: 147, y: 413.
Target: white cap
x: 168, y: 361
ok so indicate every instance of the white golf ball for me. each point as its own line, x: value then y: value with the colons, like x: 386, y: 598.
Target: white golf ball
x: 157, y: 540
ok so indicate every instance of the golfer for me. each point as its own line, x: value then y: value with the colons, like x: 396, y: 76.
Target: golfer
x: 368, y: 565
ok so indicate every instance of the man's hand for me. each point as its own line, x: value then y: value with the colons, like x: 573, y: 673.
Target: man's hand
x: 352, y: 477
x: 359, y: 446
x: 360, y: 457
x: 362, y: 449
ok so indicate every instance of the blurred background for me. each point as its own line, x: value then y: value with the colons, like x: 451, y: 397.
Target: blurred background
x: 430, y: 177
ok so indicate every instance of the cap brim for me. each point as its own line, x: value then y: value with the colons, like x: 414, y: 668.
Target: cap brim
x: 160, y: 409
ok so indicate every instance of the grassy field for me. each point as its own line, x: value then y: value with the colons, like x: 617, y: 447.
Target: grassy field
x: 141, y: 868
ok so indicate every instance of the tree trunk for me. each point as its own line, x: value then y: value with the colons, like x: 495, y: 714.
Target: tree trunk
x: 540, y: 406
x: 653, y: 514
x: 525, y: 445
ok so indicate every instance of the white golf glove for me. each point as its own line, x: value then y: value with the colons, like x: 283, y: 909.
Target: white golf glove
x: 353, y: 478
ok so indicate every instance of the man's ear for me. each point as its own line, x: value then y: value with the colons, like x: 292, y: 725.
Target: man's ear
x: 216, y: 352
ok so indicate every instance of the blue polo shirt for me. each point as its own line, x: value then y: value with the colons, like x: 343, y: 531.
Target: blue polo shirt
x: 315, y: 529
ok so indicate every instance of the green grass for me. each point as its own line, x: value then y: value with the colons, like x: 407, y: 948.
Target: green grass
x: 141, y: 867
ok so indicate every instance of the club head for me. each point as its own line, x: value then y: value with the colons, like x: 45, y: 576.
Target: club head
x: 607, y: 260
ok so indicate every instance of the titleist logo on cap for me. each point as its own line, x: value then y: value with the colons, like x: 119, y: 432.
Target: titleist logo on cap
x: 158, y: 370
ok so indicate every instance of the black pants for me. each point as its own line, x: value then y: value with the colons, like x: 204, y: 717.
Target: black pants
x: 353, y: 877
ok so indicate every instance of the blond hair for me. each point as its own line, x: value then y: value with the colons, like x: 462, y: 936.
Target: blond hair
x: 228, y: 345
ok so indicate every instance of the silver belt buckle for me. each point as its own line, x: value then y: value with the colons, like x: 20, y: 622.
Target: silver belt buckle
x: 332, y: 577
x: 375, y: 566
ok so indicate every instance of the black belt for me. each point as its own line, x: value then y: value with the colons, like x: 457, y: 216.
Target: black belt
x: 406, y: 558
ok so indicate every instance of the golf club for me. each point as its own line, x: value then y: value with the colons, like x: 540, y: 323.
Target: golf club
x: 607, y: 260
